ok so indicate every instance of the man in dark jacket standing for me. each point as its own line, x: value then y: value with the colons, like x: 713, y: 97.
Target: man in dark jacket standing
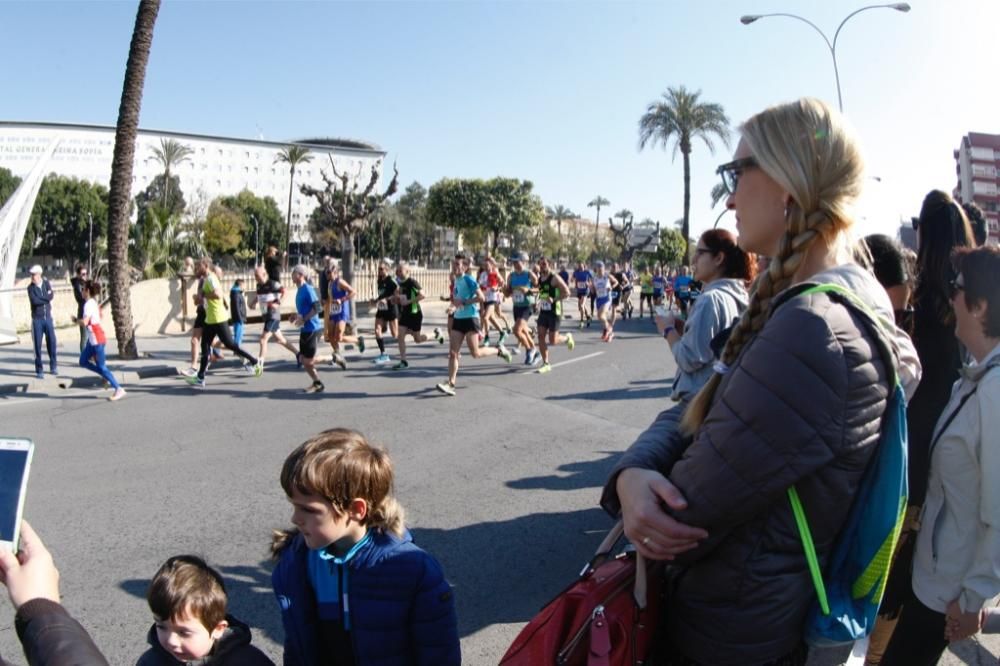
x: 78, y: 281
x: 40, y: 295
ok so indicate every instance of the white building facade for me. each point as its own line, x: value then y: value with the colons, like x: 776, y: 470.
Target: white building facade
x: 217, y: 166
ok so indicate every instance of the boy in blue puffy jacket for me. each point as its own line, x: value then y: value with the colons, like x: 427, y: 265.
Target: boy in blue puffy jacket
x: 353, y: 588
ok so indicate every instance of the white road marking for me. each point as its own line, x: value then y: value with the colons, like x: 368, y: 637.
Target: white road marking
x: 566, y: 362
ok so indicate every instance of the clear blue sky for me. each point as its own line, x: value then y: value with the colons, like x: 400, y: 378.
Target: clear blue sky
x: 546, y: 91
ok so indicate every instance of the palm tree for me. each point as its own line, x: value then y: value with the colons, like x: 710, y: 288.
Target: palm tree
x: 119, y: 193
x: 559, y: 213
x: 598, y: 201
x: 719, y: 193
x: 169, y: 154
x: 624, y: 214
x: 292, y: 156
x: 679, y: 118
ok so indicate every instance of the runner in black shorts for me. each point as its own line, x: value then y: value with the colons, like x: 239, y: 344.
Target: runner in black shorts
x: 308, y: 310
x: 385, y: 311
x: 196, y: 332
x: 521, y: 286
x: 551, y: 292
x: 268, y: 298
x: 411, y: 317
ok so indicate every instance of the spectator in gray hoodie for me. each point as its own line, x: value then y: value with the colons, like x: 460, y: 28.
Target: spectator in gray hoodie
x: 725, y: 272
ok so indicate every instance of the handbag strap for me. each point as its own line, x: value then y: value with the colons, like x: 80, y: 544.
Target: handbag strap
x: 810, y: 548
x: 604, y: 550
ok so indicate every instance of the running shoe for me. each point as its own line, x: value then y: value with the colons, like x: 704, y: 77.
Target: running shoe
x: 438, y: 336
x: 258, y: 368
x: 402, y: 365
x: 611, y: 336
x: 248, y: 368
x: 119, y: 394
x: 195, y: 382
x: 527, y: 357
x: 504, y: 354
x: 581, y: 325
x: 39, y: 375
x: 485, y: 342
x: 503, y: 336
x: 361, y: 344
x: 604, y: 335
x: 446, y: 387
x: 339, y: 360
x: 545, y: 368
x: 316, y: 387
x: 536, y: 356
x: 189, y: 372
x: 570, y: 342
x: 381, y: 359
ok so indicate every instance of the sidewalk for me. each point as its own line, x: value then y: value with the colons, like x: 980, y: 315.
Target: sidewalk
x: 159, y: 356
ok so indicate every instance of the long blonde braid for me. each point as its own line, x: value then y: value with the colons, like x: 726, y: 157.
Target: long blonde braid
x: 806, y: 148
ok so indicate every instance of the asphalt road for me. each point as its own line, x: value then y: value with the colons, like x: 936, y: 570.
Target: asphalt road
x: 500, y: 483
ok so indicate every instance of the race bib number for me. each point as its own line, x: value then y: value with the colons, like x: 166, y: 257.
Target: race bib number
x: 614, y: 294
x: 519, y: 298
x: 382, y: 305
x: 545, y: 306
x: 336, y: 307
x: 602, y: 293
x: 581, y: 285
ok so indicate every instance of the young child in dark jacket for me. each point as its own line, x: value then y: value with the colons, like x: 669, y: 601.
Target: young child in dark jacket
x: 188, y: 600
x: 237, y: 311
x: 353, y: 588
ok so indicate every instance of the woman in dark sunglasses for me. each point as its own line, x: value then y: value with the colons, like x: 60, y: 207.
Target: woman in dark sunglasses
x: 941, y: 229
x: 797, y: 399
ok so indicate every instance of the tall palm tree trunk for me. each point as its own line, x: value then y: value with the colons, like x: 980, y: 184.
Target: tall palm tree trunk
x: 687, y: 207
x: 121, y: 176
x: 288, y: 218
x: 597, y: 223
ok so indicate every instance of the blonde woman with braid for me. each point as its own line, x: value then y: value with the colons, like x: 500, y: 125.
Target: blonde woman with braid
x: 797, y: 399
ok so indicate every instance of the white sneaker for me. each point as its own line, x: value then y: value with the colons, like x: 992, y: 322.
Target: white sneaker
x: 189, y: 372
x: 382, y: 359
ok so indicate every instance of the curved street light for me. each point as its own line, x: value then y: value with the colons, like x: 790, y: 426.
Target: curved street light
x: 898, y: 6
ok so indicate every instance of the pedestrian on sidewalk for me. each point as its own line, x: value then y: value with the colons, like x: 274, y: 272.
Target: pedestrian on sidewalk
x: 237, y: 311
x: 40, y: 295
x: 79, y: 281
x: 92, y: 357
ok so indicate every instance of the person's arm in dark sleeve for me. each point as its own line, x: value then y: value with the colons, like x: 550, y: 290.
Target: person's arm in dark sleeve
x: 36, y: 296
x: 51, y: 637
x: 433, y: 620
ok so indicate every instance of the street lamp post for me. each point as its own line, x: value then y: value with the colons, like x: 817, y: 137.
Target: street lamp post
x: 90, y: 248
x: 898, y: 6
x: 256, y: 241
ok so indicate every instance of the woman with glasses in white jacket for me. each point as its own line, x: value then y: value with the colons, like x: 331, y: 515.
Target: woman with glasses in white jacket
x: 956, y: 564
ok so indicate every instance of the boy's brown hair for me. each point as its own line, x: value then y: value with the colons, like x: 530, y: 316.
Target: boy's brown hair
x: 185, y: 586
x: 341, y: 465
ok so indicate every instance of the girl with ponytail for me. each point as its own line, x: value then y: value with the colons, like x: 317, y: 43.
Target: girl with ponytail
x: 352, y: 586
x: 796, y: 398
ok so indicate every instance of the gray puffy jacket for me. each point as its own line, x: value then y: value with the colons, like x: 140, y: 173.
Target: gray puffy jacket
x: 802, y: 405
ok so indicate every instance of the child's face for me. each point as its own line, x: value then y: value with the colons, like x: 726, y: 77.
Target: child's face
x: 320, y: 525
x: 186, y: 638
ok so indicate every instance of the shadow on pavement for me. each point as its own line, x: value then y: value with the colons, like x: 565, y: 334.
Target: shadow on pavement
x: 616, y: 394
x: 589, y: 474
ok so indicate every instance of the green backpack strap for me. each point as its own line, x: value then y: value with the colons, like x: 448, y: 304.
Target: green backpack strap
x: 793, y: 496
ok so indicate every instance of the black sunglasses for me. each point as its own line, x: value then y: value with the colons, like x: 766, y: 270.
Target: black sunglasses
x: 731, y: 172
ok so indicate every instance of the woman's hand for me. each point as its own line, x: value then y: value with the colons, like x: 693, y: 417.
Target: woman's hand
x: 663, y: 323
x: 31, y: 574
x: 652, y: 531
x: 960, y: 625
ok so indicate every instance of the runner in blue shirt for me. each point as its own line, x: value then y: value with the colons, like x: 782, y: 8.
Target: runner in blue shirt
x: 307, y: 316
x: 581, y: 284
x: 465, y: 299
x: 682, y: 289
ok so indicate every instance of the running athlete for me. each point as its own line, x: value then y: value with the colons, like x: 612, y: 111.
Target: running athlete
x: 385, y: 311
x: 552, y: 290
x: 308, y: 310
x: 466, y: 297
x: 603, y: 286
x: 341, y: 294
x: 196, y: 331
x: 216, y: 323
x: 489, y: 282
x: 682, y: 289
x: 521, y: 284
x: 620, y: 292
x: 582, y: 277
x: 269, y: 294
x: 645, y: 290
x: 92, y: 356
x: 411, y: 317
x: 659, y: 287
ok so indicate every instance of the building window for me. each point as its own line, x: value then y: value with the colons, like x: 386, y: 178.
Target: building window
x: 983, y: 154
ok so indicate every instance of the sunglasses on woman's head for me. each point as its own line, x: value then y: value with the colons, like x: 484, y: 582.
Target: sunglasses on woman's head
x: 731, y: 172
x: 956, y: 285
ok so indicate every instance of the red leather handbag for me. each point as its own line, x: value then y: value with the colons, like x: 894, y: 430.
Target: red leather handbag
x: 607, y: 617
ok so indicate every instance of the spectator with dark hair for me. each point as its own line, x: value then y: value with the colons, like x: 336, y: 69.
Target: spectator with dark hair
x: 78, y: 281
x: 49, y: 636
x: 977, y: 222
x: 956, y: 563
x: 890, y: 267
x: 941, y: 229
x: 725, y: 272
